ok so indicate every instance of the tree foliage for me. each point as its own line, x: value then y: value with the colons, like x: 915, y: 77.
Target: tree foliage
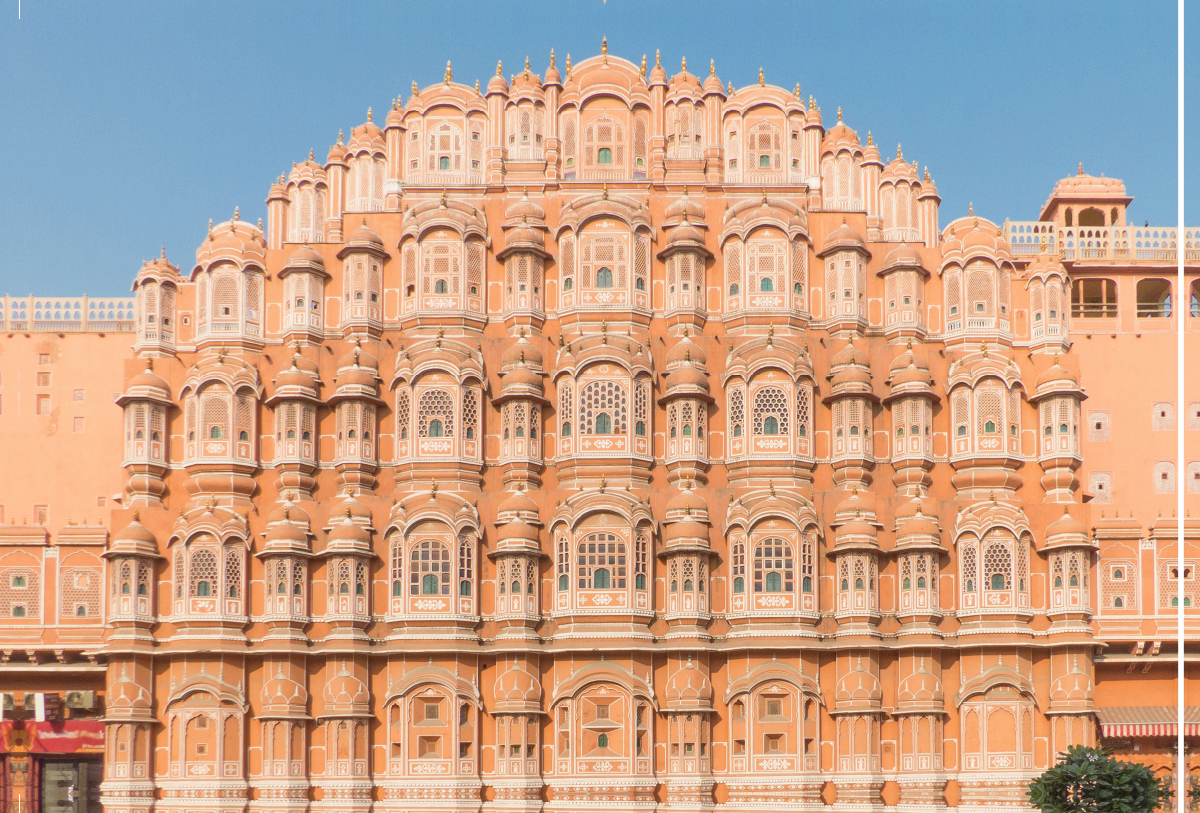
x: 1090, y: 780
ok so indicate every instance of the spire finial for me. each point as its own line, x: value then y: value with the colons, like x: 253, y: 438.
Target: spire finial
x: 526, y: 66
x: 415, y: 91
x: 712, y: 67
x: 683, y: 65
x: 1081, y: 168
x: 926, y: 174
x: 604, y: 49
x: 210, y: 236
x: 552, y: 57
x: 370, y: 115
x: 657, y: 58
x: 500, y: 67
x: 605, y: 191
x: 236, y: 214
x: 899, y: 154
x: 839, y: 114
x: 870, y: 141
x: 340, y: 137
x: 311, y: 154
x: 449, y: 72
x: 761, y: 79
x: 477, y: 87
x: 163, y: 253
x: 643, y: 65
x: 971, y: 209
x: 568, y: 64
x: 731, y: 87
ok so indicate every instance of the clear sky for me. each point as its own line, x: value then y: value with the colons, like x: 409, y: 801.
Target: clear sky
x: 126, y: 126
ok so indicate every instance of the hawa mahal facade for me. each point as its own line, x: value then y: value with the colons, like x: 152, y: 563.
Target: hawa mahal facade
x: 605, y: 438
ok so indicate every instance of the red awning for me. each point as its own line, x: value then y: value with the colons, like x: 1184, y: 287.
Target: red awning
x: 1148, y: 721
x: 65, y: 737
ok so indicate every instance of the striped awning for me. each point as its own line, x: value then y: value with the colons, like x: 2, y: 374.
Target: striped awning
x: 1148, y: 721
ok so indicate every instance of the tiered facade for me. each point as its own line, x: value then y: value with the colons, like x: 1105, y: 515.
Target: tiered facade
x: 604, y: 438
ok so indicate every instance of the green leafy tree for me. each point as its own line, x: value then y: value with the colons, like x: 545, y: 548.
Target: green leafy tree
x: 1090, y: 780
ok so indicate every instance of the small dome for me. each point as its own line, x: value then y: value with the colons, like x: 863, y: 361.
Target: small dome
x: 858, y: 688
x: 684, y: 206
x: 686, y: 351
x: 684, y: 233
x: 553, y: 77
x: 521, y: 377
x: 840, y: 137
x: 685, y: 531
x: 687, y: 503
x: 517, y: 531
x: 522, y: 352
x: 920, y: 688
x: 281, y: 692
x: 498, y: 84
x: 1066, y: 524
x: 518, y: 502
x: 900, y: 170
x: 908, y: 358
x: 689, y: 376
x: 136, y: 533
x: 148, y: 379
x: 689, y: 687
x: 852, y: 528
x: 525, y: 209
x: 850, y: 355
x: 348, y: 532
x: 855, y: 505
x: 917, y: 524
x: 850, y: 375
x: 517, y: 688
x: 844, y: 236
x: 357, y: 510
x: 902, y: 256
x: 1055, y: 373
x: 305, y: 257
x: 286, y: 533
x: 345, y: 691
x: 364, y: 237
x: 357, y: 357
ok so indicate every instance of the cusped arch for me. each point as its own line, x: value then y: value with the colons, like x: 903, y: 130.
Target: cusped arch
x: 774, y: 671
x: 995, y: 676
x: 604, y: 672
x: 432, y: 674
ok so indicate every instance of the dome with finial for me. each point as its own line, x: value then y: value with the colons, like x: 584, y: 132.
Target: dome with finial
x: 684, y: 205
x: 522, y: 353
x: 298, y: 379
x: 871, y: 152
x: 282, y: 695
x: 685, y: 351
x: 903, y: 256
x: 920, y: 691
x: 148, y: 385
x: 304, y: 258
x: 235, y: 241
x: 134, y: 539
x: 518, y: 505
x: 346, y: 694
x: 918, y: 529
x: 552, y: 75
x: 909, y: 374
x: 839, y: 138
x: 974, y: 236
x: 348, y: 536
x: 686, y: 503
x: 525, y: 209
x: 1056, y: 379
x: 1067, y: 531
x: 900, y: 170
x: 711, y: 83
x: 363, y: 238
x: 367, y: 136
x: 843, y: 237
x: 159, y: 268
x: 684, y: 84
x: 358, y: 374
x: 858, y: 690
x: 517, y: 690
x: 290, y: 512
x: 657, y: 76
x: 689, y: 689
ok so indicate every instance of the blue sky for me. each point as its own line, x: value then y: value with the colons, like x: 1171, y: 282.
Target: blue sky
x: 126, y: 126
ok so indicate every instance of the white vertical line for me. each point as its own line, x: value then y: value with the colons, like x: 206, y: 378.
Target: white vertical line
x: 1181, y: 771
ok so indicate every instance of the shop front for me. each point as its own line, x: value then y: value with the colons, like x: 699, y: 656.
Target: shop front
x: 51, y: 767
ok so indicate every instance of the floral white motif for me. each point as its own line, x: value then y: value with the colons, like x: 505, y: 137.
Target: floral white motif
x: 773, y: 601
x: 435, y: 445
x: 772, y: 444
x: 604, y: 297
x: 214, y: 448
x: 603, y: 443
x: 429, y: 767
x: 775, y: 764
x: 202, y: 770
x: 430, y: 604
x: 603, y: 599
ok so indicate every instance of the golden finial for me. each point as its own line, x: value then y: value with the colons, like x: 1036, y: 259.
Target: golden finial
x: 770, y: 335
x: 443, y: 201
x: 260, y: 224
x: 568, y: 65
x: 899, y: 154
x: 370, y: 115
x: 236, y: 214
x: 340, y: 137
x: 657, y: 58
x: 683, y: 65
x: 731, y: 88
x: 1081, y: 168
x: 796, y: 90
x: 311, y: 153
x: 604, y: 193
x: 210, y: 229
x: 761, y: 79
x: 604, y: 49
x: 477, y: 87
x: 811, y: 102
x: 526, y: 66
x: 839, y: 114
x: 449, y: 72
x: 870, y: 140
x: 433, y: 487
x: 771, y: 487
x: 604, y: 332
x: 603, y: 483
x: 643, y: 64
x: 983, y: 348
x: 552, y: 57
x: 712, y: 67
x: 971, y: 209
x: 926, y: 174
x: 414, y: 88
x: 500, y: 67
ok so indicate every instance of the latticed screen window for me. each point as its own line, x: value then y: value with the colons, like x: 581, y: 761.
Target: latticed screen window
x: 1168, y: 584
x: 1164, y: 477
x: 202, y: 574
x: 641, y: 407
x: 765, y: 147
x: 1118, y: 585
x: 989, y: 411
x: 233, y: 573
x: 215, y: 417
x: 767, y: 271
x: 601, y: 564
x: 1163, y: 417
x: 397, y: 566
x: 774, y: 569
x: 737, y: 412
x: 997, y: 567
x: 435, y: 414
x: 603, y: 406
x: 1098, y: 423
x: 604, y: 142
x: 641, y: 545
x: 1100, y: 486
x: 733, y: 268
x: 970, y: 568
x: 470, y: 413
x: 808, y: 570
x: 563, y: 564
x: 466, y: 566
x: 429, y: 569
x: 20, y: 593
x: 771, y: 411
x: 953, y: 285
x: 80, y: 593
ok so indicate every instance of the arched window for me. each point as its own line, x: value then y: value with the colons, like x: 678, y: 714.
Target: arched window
x: 604, y: 277
x: 602, y: 562
x: 435, y: 428
x: 603, y: 424
x: 770, y: 425
x: 429, y: 570
x: 604, y: 156
x: 737, y: 566
x: 997, y: 567
x: 770, y: 411
x: 435, y: 412
x: 774, y: 569
x: 766, y: 285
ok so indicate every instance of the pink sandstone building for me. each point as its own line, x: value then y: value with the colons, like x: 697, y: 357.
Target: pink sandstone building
x: 603, y: 439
